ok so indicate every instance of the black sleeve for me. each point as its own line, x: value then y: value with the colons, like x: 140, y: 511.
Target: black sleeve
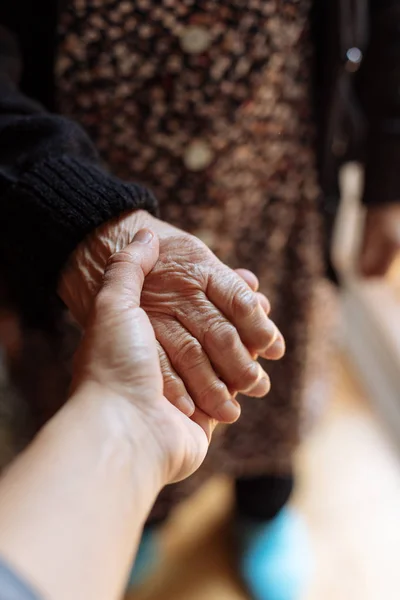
x: 13, y: 587
x: 379, y: 93
x: 53, y: 189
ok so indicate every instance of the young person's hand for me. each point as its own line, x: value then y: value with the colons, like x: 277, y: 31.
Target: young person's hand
x: 74, y: 503
x: 381, y: 241
x: 210, y: 325
x: 119, y: 358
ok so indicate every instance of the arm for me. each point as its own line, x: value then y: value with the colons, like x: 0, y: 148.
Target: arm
x: 378, y: 86
x: 74, y: 504
x: 53, y: 191
x: 72, y: 507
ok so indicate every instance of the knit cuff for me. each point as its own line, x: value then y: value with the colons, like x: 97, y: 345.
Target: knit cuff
x: 51, y: 209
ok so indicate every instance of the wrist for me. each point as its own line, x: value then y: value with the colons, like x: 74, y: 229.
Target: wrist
x: 124, y: 429
x: 83, y: 274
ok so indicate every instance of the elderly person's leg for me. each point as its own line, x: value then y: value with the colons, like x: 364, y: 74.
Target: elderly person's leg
x: 275, y: 560
x: 271, y: 539
x: 262, y: 498
x: 274, y: 556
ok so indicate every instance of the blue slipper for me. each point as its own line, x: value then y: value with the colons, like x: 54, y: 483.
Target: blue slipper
x: 275, y: 557
x: 146, y: 557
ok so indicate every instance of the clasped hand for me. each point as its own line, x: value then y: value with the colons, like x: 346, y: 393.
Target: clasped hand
x: 210, y: 322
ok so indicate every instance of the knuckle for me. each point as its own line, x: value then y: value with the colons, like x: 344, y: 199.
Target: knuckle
x: 246, y: 376
x: 266, y: 337
x: 165, y: 366
x: 221, y: 334
x: 171, y: 382
x: 123, y: 257
x: 195, y: 248
x: 199, y: 259
x: 105, y: 301
x: 244, y: 302
x: 189, y: 354
x: 118, y: 257
x: 198, y: 244
x: 213, y: 394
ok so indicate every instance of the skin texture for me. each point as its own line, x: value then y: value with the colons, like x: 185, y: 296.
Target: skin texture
x: 73, y: 505
x: 209, y: 322
x: 118, y: 321
x: 381, y: 243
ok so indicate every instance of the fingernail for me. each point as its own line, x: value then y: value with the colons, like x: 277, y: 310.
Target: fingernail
x: 261, y: 388
x: 277, y: 350
x: 229, y: 411
x: 144, y: 236
x: 186, y: 405
x: 264, y: 303
x: 272, y: 330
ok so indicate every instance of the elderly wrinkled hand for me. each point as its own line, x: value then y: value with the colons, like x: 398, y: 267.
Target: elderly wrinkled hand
x: 209, y: 324
x: 119, y: 355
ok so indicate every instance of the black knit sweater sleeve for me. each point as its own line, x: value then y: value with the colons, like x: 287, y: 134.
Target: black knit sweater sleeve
x: 378, y: 87
x: 53, y: 190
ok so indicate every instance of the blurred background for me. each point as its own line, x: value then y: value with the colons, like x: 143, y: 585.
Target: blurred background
x: 348, y: 469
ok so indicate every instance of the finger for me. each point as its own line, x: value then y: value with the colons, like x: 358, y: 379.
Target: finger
x: 125, y: 271
x: 223, y: 346
x: 264, y: 303
x: 253, y: 283
x: 205, y: 422
x: 242, y: 308
x: 199, y: 428
x: 277, y: 350
x: 174, y: 388
x: 249, y: 278
x: 191, y: 363
x: 117, y: 319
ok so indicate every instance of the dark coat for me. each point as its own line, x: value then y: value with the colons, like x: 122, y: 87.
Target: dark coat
x: 357, y: 108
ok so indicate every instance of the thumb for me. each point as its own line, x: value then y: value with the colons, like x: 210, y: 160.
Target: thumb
x: 125, y: 271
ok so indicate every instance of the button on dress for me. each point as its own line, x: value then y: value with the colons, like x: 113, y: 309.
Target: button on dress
x: 208, y: 104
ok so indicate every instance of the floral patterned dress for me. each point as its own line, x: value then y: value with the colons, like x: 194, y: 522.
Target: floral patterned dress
x: 208, y: 104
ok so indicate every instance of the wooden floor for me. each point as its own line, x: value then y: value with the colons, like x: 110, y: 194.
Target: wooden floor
x: 349, y: 493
